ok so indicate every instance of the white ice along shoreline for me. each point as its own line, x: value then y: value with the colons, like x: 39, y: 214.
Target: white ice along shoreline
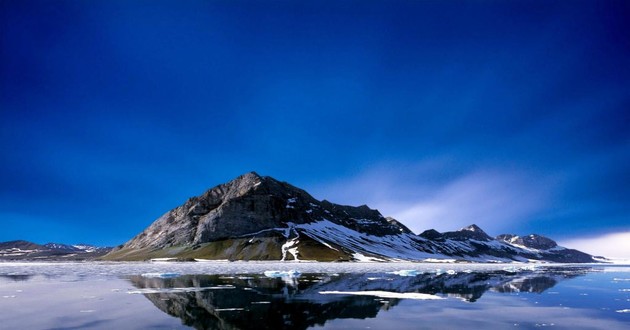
x: 45, y: 270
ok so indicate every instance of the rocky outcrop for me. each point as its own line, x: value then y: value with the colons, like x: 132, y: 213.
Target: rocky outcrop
x: 531, y: 241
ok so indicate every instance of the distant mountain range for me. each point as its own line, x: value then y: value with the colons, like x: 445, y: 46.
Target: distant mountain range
x: 24, y: 250
x: 257, y: 217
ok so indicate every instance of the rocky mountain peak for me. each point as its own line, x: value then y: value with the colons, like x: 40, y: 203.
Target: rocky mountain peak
x: 531, y: 241
x: 470, y: 232
x: 473, y: 228
x: 249, y: 204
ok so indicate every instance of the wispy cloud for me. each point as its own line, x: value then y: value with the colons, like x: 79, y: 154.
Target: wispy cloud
x: 423, y: 198
x: 615, y: 245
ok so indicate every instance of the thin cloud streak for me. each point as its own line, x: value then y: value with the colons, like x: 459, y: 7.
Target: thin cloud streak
x: 616, y: 245
x: 495, y: 200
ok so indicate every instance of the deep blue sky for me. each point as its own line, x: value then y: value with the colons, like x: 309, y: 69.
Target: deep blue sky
x: 513, y: 115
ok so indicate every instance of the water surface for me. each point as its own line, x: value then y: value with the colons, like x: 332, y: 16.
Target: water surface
x: 272, y: 295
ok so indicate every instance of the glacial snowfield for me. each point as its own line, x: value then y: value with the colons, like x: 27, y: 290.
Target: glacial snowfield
x: 305, y: 295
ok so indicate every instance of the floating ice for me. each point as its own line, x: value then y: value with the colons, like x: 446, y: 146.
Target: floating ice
x: 179, y: 290
x: 228, y: 309
x: 161, y: 275
x: 405, y: 272
x: 163, y: 259
x: 623, y: 311
x: 511, y: 269
x: 279, y: 274
x: 387, y: 294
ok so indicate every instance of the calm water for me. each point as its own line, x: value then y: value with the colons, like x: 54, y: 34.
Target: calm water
x: 250, y: 295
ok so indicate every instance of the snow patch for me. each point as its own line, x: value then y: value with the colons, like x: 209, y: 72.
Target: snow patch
x: 291, y: 244
x: 291, y: 247
x: 432, y: 260
x: 291, y: 201
x: 363, y: 258
x: 391, y: 247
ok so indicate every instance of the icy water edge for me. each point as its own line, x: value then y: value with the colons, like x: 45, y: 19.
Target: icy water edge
x: 289, y: 295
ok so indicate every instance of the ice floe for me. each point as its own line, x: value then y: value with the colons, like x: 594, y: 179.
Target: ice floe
x: 280, y: 274
x: 405, y: 272
x: 180, y: 290
x: 228, y: 309
x: 161, y: 275
x: 387, y: 294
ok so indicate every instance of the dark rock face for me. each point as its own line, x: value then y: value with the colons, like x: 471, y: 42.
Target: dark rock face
x: 250, y: 204
x: 471, y: 232
x: 432, y: 234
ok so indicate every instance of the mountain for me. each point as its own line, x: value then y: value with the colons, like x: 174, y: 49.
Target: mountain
x: 24, y: 250
x: 257, y: 217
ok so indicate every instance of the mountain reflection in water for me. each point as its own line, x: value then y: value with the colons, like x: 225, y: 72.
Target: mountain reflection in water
x: 259, y: 302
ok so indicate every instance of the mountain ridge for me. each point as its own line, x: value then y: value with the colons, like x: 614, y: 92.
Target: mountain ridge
x: 257, y: 217
x: 26, y: 250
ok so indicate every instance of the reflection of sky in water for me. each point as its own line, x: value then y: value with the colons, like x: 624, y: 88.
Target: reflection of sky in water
x: 587, y: 302
x: 102, y: 298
